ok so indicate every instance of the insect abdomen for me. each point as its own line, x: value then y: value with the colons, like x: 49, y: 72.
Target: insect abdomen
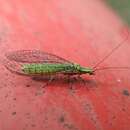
x: 45, y: 68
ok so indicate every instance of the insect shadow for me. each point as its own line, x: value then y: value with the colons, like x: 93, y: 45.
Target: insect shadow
x: 61, y: 80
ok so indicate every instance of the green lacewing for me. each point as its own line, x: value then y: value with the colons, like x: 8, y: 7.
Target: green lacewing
x: 36, y: 62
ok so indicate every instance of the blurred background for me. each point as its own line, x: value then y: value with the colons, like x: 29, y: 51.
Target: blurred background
x: 122, y: 7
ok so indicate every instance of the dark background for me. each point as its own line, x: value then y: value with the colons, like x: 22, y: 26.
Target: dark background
x: 122, y: 7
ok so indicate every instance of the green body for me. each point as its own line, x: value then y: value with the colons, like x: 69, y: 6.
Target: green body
x: 52, y: 69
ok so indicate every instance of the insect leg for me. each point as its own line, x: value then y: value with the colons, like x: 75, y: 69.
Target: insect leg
x: 49, y: 81
x: 81, y: 79
x: 70, y: 80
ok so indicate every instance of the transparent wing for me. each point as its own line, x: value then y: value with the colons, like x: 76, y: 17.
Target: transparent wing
x: 34, y: 56
x: 16, y: 59
x: 15, y: 67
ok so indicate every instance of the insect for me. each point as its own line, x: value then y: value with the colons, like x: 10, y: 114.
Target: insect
x: 38, y: 63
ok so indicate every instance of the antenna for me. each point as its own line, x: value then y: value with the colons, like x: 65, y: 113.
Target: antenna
x: 110, y: 53
x: 110, y: 68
